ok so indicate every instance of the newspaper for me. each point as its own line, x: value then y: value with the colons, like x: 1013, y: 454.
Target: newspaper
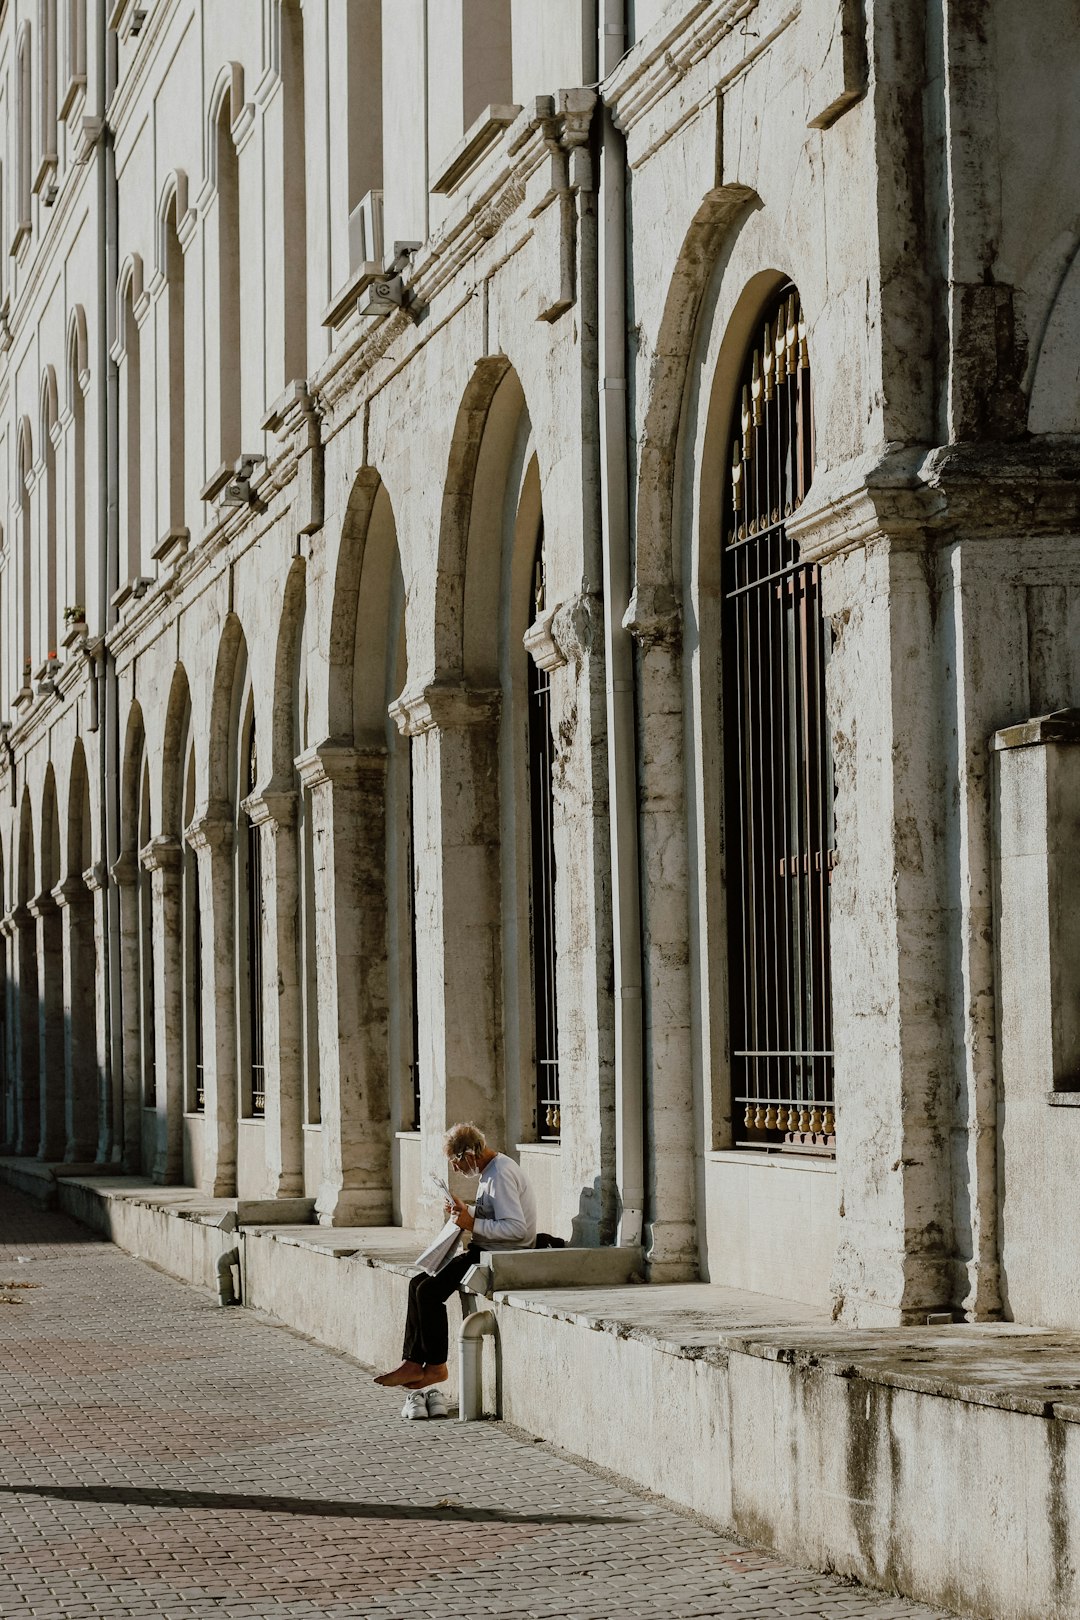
x: 445, y: 1246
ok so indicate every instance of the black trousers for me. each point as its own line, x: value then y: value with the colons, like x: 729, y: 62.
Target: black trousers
x: 427, y: 1338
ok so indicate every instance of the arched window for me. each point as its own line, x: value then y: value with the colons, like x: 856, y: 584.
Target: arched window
x: 131, y: 420
x: 229, y: 284
x: 295, y: 191
x: 76, y: 562
x: 777, y: 760
x: 76, y: 52
x: 23, y: 158
x: 46, y: 94
x: 174, y: 394
x: 25, y: 555
x: 542, y: 849
x: 146, y: 949
x: 48, y: 560
x: 254, y: 929
x: 194, y: 1059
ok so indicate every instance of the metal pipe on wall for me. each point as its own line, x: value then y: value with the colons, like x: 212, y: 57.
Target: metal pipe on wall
x: 622, y: 745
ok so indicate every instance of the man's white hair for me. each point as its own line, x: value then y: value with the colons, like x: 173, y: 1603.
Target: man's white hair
x: 462, y: 1139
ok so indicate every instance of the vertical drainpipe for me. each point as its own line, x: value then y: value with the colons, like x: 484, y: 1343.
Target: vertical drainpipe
x: 622, y: 753
x: 108, y: 564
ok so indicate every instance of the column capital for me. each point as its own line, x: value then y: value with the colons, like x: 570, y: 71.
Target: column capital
x: 274, y: 808
x: 214, y: 831
x: 96, y: 877
x: 443, y: 708
x: 72, y: 891
x: 125, y: 869
x: 339, y: 763
x: 17, y: 919
x: 653, y: 618
x: 162, y: 854
x: 42, y: 905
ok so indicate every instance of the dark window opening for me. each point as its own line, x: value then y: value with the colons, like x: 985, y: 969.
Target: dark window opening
x: 542, y: 807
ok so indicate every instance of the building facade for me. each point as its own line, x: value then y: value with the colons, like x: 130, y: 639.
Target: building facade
x: 538, y: 533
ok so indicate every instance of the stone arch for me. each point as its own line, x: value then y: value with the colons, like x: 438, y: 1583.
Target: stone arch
x: 78, y: 355
x: 1055, y: 386
x: 285, y: 708
x: 678, y: 339
x: 172, y: 199
x: 80, y: 831
x: 131, y: 780
x: 227, y: 87
x: 129, y: 286
x: 229, y: 673
x: 174, y: 752
x: 48, y: 403
x: 26, y: 869
x: 50, y: 834
x: 459, y: 486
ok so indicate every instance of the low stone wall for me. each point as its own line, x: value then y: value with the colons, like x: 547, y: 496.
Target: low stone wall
x: 942, y: 1463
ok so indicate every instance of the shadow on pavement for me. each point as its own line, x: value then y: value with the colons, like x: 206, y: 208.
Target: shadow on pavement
x: 312, y: 1507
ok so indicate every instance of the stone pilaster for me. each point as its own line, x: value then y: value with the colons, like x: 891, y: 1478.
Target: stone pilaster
x: 890, y: 969
x: 51, y: 1038
x: 274, y: 814
x: 127, y: 1096
x: 97, y: 886
x: 7, y: 1126
x: 456, y: 837
x: 80, y: 1054
x: 674, y: 1112
x: 348, y: 793
x: 22, y: 931
x: 212, y: 837
x: 163, y: 859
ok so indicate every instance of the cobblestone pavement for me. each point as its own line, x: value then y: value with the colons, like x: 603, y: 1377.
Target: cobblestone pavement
x: 162, y: 1456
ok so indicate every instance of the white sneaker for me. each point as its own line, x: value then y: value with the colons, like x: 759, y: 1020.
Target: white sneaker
x: 436, y: 1404
x: 415, y: 1405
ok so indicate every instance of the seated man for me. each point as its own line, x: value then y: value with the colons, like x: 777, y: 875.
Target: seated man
x: 502, y: 1217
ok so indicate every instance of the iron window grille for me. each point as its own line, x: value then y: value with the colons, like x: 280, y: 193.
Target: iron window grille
x: 780, y: 844
x: 542, y: 806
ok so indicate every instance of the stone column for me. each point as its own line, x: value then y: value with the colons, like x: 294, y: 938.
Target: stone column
x: 675, y: 1113
x: 348, y: 794
x: 27, y: 1038
x: 274, y: 814
x: 8, y: 1125
x: 80, y: 1054
x: 890, y: 966
x: 456, y: 833
x: 127, y: 1098
x: 163, y: 859
x: 212, y: 837
x: 97, y: 887
x: 51, y: 1041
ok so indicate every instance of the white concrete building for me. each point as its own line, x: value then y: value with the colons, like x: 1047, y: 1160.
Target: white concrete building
x: 522, y: 521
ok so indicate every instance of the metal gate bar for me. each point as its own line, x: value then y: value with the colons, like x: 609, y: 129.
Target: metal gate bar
x: 778, y: 767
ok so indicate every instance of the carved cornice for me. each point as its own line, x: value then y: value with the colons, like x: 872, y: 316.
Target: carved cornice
x: 653, y: 618
x: 162, y: 854
x: 443, y: 708
x: 275, y: 808
x: 688, y: 31
x: 340, y: 765
x: 213, y: 831
x: 72, y: 891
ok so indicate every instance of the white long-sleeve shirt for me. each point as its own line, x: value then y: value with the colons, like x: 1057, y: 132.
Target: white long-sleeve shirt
x: 505, y: 1208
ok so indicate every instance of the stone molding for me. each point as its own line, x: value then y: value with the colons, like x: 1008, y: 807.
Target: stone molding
x: 443, y: 708
x: 96, y: 877
x: 915, y: 496
x: 653, y: 618
x: 17, y: 920
x: 125, y: 869
x: 275, y: 809
x: 1061, y: 728
x: 43, y: 904
x: 339, y: 764
x: 690, y: 30
x: 213, y: 831
x: 72, y: 891
x: 162, y: 854
x: 541, y: 645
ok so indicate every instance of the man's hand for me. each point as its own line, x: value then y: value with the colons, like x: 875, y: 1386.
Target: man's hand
x: 461, y: 1216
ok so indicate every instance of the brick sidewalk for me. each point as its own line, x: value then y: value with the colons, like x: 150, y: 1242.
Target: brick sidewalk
x: 160, y: 1456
